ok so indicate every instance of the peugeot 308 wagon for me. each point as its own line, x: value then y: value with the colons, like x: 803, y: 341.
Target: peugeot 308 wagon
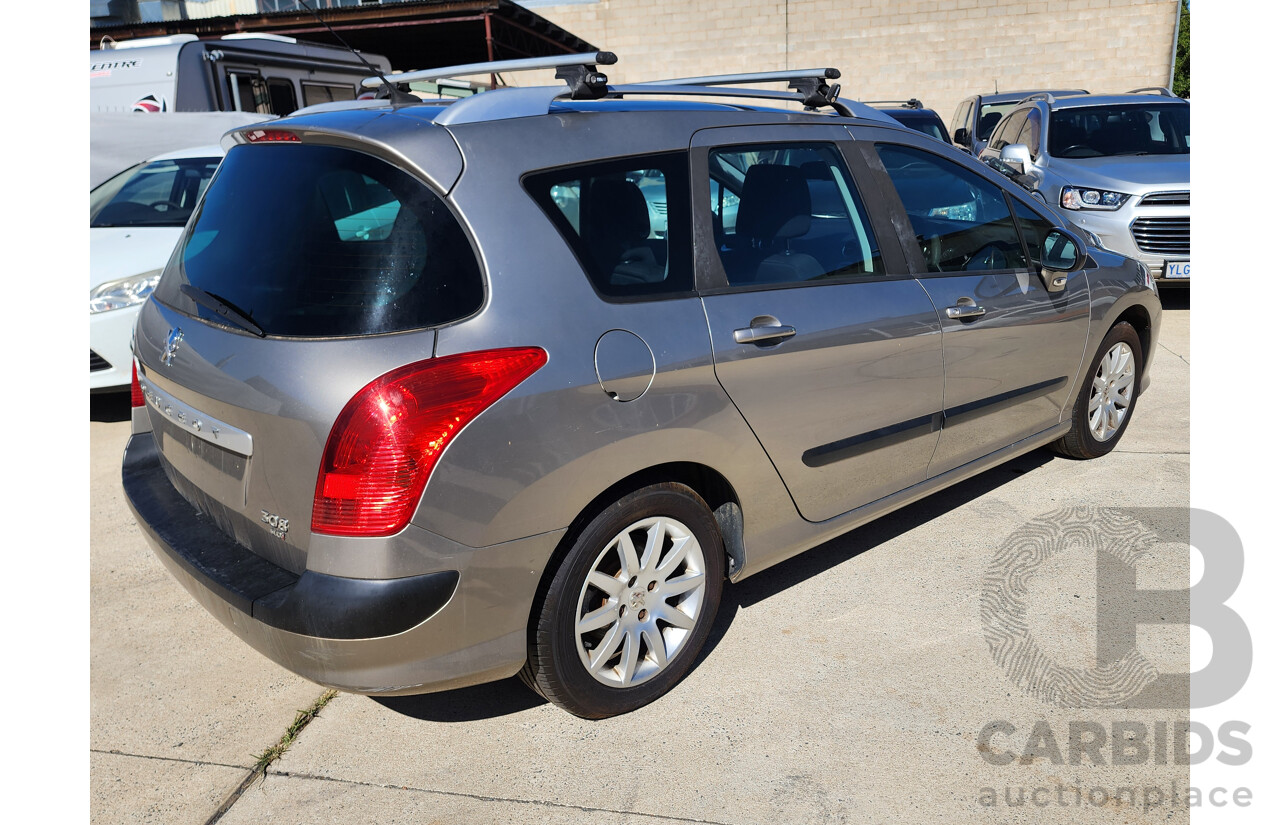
x: 425, y: 399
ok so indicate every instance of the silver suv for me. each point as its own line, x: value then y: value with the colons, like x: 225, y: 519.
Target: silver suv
x: 424, y: 400
x: 978, y: 115
x: 1120, y: 165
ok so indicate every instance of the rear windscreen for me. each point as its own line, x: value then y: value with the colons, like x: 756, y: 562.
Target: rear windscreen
x: 317, y: 241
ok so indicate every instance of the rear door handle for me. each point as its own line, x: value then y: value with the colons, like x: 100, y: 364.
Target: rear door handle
x: 763, y: 334
x: 966, y: 308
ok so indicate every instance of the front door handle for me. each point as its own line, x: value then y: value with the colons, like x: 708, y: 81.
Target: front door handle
x: 966, y: 308
x: 763, y: 334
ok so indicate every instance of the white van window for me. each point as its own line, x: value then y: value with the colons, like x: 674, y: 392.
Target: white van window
x: 313, y: 93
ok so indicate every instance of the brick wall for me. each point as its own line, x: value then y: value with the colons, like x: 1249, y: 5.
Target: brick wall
x: 937, y: 50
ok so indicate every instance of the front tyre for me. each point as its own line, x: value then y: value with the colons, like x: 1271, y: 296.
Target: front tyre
x: 630, y: 605
x: 1105, y: 403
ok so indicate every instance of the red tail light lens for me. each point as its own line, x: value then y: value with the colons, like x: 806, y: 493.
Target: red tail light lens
x: 387, y: 439
x: 135, y: 390
x: 271, y: 136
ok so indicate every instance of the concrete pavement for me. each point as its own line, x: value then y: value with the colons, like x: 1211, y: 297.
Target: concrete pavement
x: 849, y: 684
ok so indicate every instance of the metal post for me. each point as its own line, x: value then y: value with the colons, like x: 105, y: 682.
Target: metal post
x: 1173, y: 54
x: 488, y: 41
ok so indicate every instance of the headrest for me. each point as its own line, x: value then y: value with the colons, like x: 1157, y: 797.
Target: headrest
x: 775, y: 203
x: 617, y: 211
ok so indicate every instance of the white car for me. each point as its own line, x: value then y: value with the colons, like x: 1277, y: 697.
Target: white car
x: 135, y: 219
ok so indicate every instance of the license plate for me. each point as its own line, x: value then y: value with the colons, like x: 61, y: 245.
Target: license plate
x: 1177, y: 269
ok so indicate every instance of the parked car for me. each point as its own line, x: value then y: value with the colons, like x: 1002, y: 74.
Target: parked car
x: 978, y: 115
x: 135, y: 218
x: 1118, y: 165
x: 912, y: 114
x: 497, y: 430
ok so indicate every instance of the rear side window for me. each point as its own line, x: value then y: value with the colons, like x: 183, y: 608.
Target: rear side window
x: 315, y: 241
x: 627, y: 221
x: 784, y: 213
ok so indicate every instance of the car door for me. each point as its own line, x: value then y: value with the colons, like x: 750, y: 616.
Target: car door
x: 1012, y: 349
x: 827, y: 345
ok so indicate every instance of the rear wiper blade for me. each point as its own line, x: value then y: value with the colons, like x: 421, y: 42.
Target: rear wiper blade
x: 223, y: 307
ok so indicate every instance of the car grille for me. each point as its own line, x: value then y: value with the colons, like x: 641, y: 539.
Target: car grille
x: 97, y: 363
x: 660, y: 207
x: 1167, y: 199
x: 1163, y: 236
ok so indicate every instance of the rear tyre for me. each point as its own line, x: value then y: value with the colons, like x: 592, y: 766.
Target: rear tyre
x: 1105, y: 404
x: 629, y: 606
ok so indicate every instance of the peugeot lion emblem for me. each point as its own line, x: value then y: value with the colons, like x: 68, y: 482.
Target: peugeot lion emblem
x: 171, y: 346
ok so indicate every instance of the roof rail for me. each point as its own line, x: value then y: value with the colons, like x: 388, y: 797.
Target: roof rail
x: 1045, y: 96
x: 913, y: 103
x: 1160, y: 90
x: 577, y: 70
x: 810, y: 83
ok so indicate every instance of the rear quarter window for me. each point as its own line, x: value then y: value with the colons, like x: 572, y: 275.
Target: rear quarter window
x: 318, y: 241
x: 627, y: 221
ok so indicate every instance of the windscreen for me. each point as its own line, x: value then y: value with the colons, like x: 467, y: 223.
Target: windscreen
x: 318, y: 241
x: 161, y: 193
x: 929, y: 124
x: 1111, y: 131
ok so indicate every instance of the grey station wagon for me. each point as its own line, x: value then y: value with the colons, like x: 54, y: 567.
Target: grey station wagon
x: 427, y: 398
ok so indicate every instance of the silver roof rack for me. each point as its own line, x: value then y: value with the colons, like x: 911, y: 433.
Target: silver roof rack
x: 1160, y: 90
x: 913, y: 103
x: 1045, y: 96
x: 811, y: 84
x: 577, y: 70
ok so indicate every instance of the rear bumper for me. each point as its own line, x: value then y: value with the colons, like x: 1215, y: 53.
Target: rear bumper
x: 413, y: 634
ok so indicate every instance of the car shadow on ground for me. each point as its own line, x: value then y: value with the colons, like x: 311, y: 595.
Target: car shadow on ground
x: 512, y: 696
x: 466, y: 704
x: 837, y: 551
x: 109, y: 406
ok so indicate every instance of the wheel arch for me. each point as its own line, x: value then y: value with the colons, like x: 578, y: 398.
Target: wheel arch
x: 721, y: 498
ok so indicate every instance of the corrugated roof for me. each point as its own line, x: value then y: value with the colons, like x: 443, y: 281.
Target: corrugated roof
x: 415, y: 34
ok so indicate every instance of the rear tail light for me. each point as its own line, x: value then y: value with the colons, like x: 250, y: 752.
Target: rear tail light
x: 387, y: 439
x: 271, y: 136
x: 135, y: 389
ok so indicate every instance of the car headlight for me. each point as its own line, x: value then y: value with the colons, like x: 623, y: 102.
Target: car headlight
x: 125, y: 292
x: 1074, y: 197
x: 961, y: 212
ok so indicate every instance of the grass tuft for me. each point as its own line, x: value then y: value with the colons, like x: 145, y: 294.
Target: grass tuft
x: 265, y: 759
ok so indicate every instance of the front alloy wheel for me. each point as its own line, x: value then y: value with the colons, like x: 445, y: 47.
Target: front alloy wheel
x: 1103, y: 407
x: 1112, y: 392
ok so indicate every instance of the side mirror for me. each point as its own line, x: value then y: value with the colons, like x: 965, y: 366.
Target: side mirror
x: 1059, y: 255
x: 1018, y: 156
x: 961, y: 137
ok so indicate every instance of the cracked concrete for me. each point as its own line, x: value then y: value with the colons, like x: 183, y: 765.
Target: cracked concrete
x: 846, y: 685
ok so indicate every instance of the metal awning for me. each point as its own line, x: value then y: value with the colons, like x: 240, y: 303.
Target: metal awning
x: 419, y: 34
